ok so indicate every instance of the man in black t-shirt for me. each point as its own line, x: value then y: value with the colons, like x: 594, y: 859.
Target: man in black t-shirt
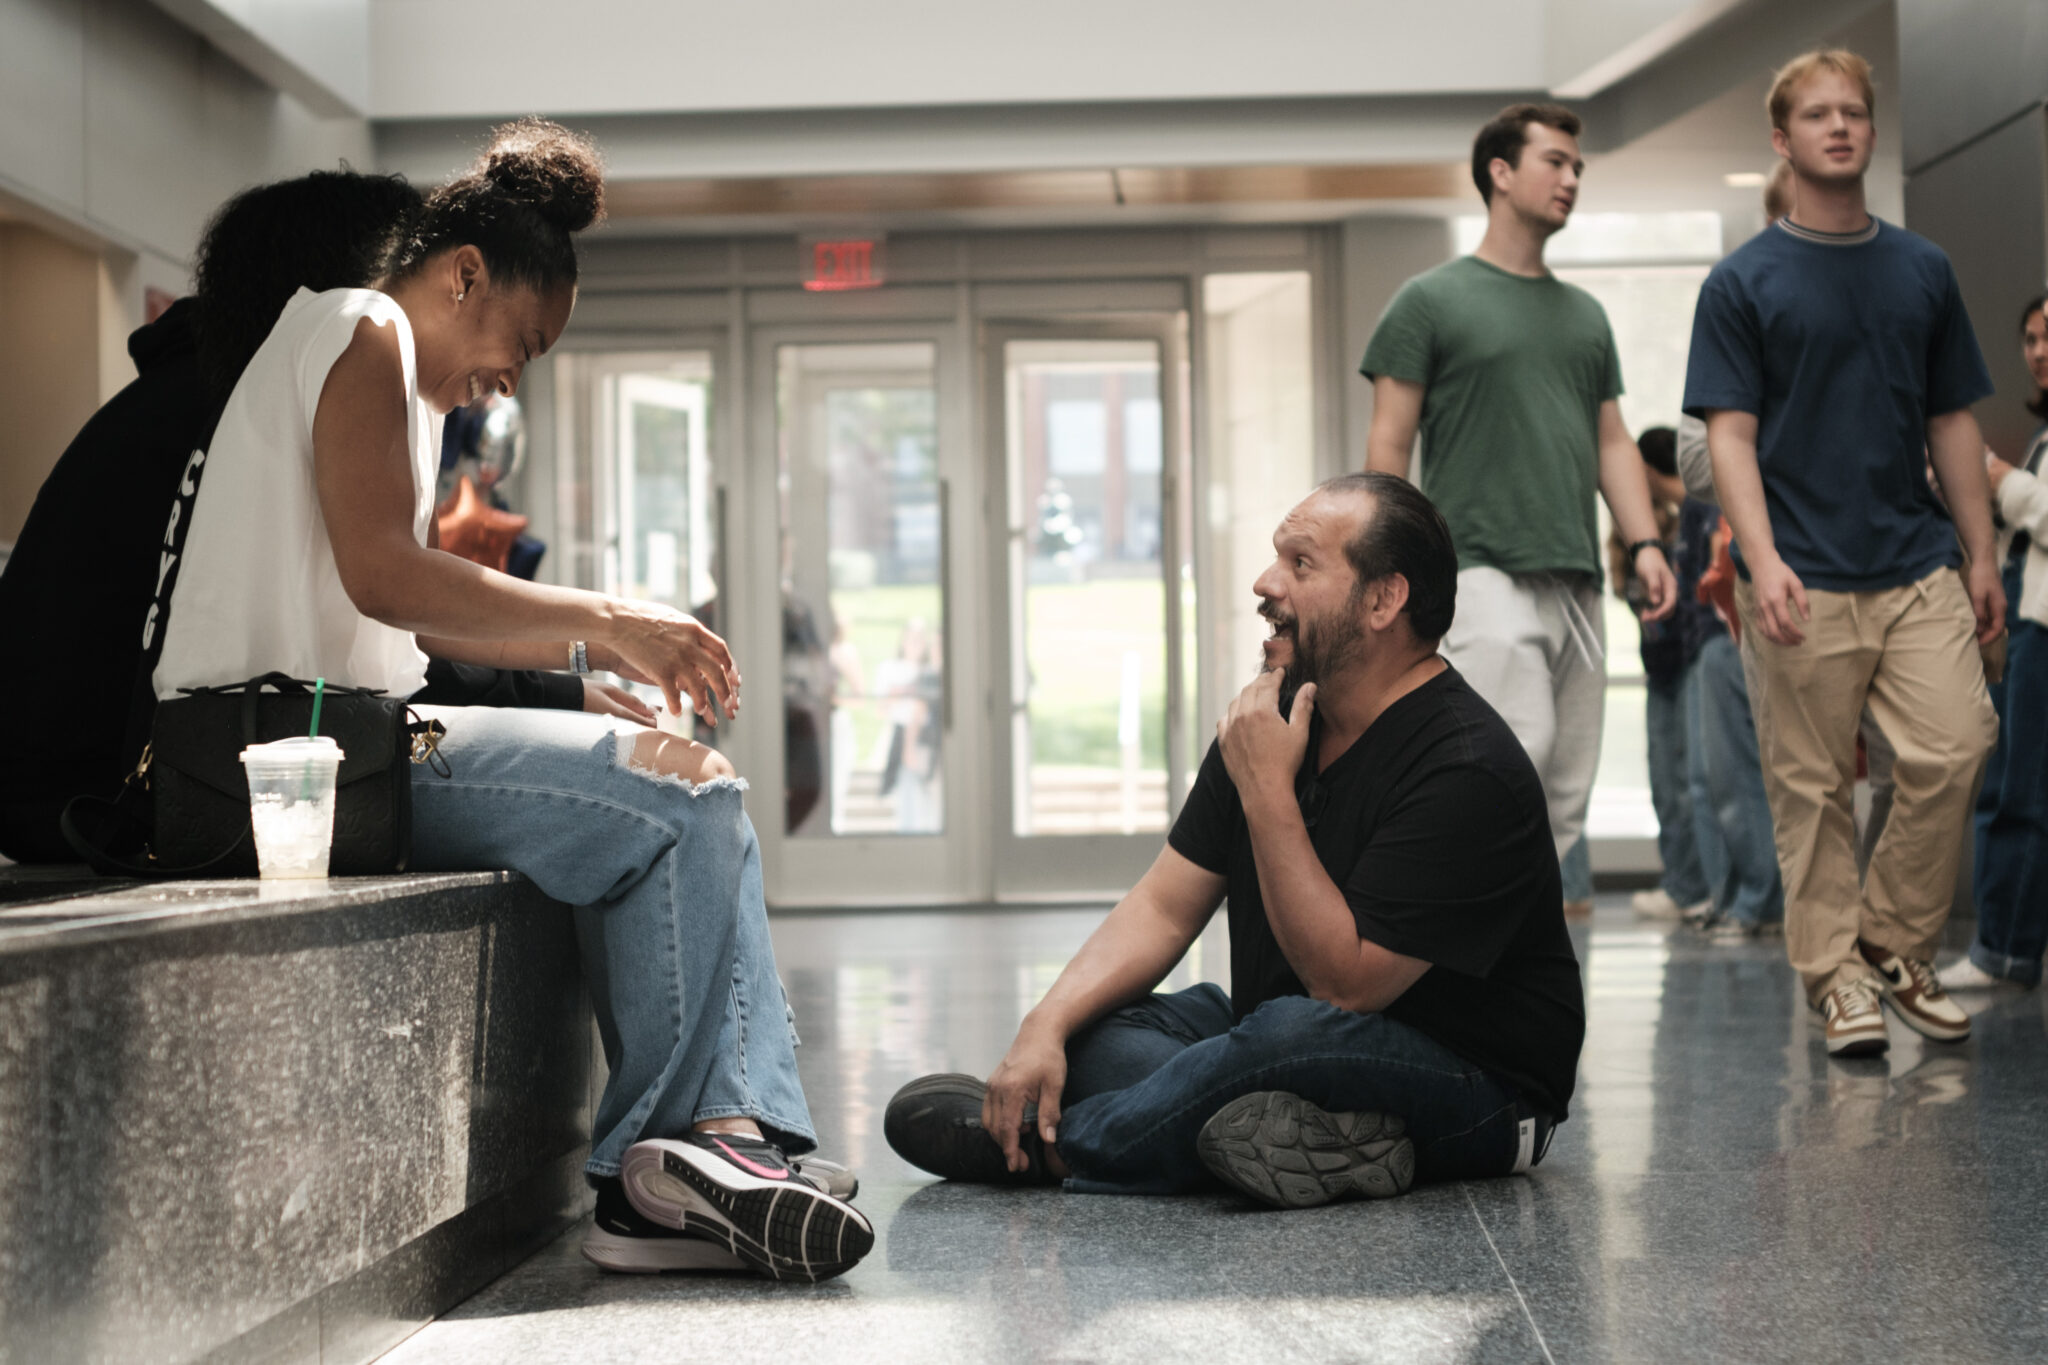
x: 1406, y: 1003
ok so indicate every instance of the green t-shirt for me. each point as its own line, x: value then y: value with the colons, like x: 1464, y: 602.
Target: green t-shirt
x: 1515, y: 370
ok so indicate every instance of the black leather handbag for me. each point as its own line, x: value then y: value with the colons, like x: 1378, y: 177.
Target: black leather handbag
x: 197, y: 795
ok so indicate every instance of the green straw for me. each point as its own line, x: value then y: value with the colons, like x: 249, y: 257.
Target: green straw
x: 319, y: 692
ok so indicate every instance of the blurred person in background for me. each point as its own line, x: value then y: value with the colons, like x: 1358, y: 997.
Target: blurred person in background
x: 1731, y: 811
x: 2012, y: 807
x: 1511, y: 378
x: 1724, y: 768
x: 1683, y: 889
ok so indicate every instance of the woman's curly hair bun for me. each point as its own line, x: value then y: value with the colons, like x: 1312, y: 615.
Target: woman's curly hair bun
x: 539, y: 162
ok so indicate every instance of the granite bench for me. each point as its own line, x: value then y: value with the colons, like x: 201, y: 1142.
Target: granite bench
x: 278, y: 1122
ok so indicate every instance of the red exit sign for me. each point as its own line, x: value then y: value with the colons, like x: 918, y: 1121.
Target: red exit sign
x: 832, y: 264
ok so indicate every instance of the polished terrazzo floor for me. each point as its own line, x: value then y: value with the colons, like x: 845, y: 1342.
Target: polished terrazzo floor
x: 1722, y: 1192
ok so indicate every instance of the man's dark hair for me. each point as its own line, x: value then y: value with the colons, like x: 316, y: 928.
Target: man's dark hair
x: 328, y: 230
x: 1405, y: 535
x: 1660, y: 450
x: 1508, y: 133
x: 520, y: 204
x: 2039, y: 404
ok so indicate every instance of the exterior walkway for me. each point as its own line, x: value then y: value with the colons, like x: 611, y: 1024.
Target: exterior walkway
x: 1722, y: 1192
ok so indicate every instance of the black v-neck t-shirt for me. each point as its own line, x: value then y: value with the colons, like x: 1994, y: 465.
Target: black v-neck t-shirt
x: 1434, y: 826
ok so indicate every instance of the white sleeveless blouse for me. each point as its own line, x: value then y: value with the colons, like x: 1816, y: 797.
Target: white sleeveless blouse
x: 257, y: 589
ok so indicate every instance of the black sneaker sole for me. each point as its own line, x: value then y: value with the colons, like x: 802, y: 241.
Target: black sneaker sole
x: 1281, y: 1150
x: 919, y: 1126
x: 785, y: 1229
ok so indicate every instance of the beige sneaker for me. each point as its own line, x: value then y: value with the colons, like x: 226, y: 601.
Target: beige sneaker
x: 1916, y: 994
x: 1854, y: 1023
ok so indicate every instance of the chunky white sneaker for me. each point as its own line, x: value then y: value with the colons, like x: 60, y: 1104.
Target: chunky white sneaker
x: 1916, y: 995
x: 1965, y: 975
x: 1657, y: 903
x: 1854, y: 1023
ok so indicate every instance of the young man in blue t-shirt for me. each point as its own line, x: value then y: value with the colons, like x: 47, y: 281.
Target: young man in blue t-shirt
x: 1832, y: 359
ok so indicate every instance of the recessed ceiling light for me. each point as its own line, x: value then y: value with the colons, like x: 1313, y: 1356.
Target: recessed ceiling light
x: 1744, y: 180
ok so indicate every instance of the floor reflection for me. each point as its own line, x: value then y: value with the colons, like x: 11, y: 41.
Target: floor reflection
x: 1722, y: 1191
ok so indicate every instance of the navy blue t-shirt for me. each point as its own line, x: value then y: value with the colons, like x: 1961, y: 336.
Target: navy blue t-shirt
x: 1843, y: 347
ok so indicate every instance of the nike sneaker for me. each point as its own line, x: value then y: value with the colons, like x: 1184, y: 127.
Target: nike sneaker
x: 621, y: 1240
x: 1852, y: 1021
x: 831, y: 1177
x: 934, y: 1123
x: 1915, y: 993
x: 1284, y: 1151
x: 741, y: 1193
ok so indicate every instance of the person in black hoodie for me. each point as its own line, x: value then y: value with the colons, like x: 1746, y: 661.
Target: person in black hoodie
x: 85, y: 588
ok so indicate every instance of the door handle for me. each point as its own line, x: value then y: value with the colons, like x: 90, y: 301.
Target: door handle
x: 721, y: 566
x: 945, y: 606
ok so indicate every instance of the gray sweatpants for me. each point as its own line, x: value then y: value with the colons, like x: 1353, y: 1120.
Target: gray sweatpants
x: 1534, y: 646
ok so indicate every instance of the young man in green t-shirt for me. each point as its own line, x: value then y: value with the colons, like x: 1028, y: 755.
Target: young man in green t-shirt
x: 1511, y: 377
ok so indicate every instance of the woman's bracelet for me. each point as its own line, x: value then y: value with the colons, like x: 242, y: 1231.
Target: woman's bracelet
x: 579, y: 658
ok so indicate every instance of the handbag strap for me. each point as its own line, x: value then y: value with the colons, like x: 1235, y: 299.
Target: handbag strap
x: 92, y: 825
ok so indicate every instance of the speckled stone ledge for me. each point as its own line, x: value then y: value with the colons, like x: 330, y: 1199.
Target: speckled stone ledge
x: 282, y: 1122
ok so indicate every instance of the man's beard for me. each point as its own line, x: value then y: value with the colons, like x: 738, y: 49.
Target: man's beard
x: 1323, y: 646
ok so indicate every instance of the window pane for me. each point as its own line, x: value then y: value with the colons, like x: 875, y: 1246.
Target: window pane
x: 1259, y: 366
x: 1087, y: 587
x: 863, y: 661
x: 1650, y: 310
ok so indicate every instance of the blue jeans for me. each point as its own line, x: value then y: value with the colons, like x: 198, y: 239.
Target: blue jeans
x: 1143, y: 1081
x: 2012, y: 809
x: 1575, y: 871
x: 1685, y: 878
x: 666, y: 881
x: 1706, y: 830
x: 1749, y: 891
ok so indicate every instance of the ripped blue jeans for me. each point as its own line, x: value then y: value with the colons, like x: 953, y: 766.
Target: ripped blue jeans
x: 666, y: 881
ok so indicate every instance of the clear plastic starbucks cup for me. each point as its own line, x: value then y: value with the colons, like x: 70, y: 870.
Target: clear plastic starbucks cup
x: 291, y: 804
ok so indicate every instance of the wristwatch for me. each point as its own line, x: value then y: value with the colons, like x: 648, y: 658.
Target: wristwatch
x: 579, y: 658
x: 1636, y: 547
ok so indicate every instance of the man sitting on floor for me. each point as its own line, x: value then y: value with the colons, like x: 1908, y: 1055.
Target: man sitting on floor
x: 1406, y: 1000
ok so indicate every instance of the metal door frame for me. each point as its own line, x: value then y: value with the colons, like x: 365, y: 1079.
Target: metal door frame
x: 1067, y: 867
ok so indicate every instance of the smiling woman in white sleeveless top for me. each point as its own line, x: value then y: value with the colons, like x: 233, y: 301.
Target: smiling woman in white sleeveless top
x: 311, y: 550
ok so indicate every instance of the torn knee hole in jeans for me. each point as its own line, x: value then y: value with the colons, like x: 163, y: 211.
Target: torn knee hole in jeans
x: 671, y: 760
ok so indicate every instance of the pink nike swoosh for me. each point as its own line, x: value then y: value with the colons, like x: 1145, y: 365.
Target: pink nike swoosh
x: 765, y: 1172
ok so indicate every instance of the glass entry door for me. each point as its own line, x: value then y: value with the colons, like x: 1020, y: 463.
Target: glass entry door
x: 858, y: 520
x: 1095, y: 597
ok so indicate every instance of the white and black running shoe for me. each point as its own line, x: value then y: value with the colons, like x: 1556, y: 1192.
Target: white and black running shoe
x: 834, y: 1179
x: 741, y: 1193
x: 1281, y: 1150
x: 621, y: 1240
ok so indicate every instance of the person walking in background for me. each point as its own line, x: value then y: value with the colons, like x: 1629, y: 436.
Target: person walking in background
x: 1831, y: 357
x: 1731, y: 811
x: 1683, y: 889
x: 1723, y: 765
x: 1511, y: 377
x: 2012, y: 808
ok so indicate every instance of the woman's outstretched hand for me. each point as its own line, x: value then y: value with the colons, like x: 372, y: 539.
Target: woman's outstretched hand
x: 672, y: 650
x: 601, y: 698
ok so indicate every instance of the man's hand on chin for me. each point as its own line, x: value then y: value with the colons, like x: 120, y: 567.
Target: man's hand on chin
x: 1262, y: 750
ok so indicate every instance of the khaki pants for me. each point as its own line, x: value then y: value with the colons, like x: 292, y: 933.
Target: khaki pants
x: 1910, y: 653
